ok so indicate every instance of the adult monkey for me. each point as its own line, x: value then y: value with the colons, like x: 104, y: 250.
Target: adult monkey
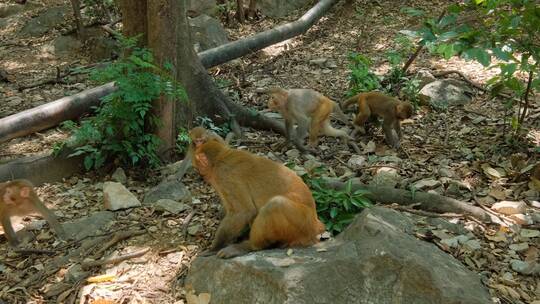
x: 255, y: 192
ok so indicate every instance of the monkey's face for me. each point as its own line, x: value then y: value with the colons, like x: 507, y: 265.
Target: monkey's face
x: 404, y: 110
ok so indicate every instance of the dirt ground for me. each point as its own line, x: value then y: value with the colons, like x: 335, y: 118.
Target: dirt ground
x: 431, y: 140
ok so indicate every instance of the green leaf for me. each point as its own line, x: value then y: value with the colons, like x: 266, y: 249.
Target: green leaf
x: 479, y: 55
x: 500, y: 54
x: 88, y: 162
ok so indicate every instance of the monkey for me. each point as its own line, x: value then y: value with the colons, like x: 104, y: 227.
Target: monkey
x: 258, y: 193
x: 306, y: 107
x: 17, y: 197
x: 390, y: 109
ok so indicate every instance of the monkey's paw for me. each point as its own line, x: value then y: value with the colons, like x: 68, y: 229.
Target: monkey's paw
x: 230, y: 251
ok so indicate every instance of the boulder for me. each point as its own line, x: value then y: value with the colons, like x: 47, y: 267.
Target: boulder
x: 116, y: 197
x: 375, y: 260
x: 207, y: 32
x: 46, y: 21
x: 444, y: 93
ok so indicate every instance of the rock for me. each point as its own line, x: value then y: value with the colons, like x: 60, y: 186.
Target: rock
x: 519, y: 247
x: 197, y: 7
x: 444, y: 93
x: 373, y: 256
x: 279, y: 8
x: 65, y: 45
x: 321, y: 62
x: 75, y: 273
x: 207, y: 32
x: 356, y: 162
x: 522, y: 219
x: 426, y: 183
x: 509, y: 207
x: 116, y: 196
x: 46, y: 21
x: 527, y: 268
x: 170, y: 206
x: 446, y: 172
x: 425, y: 77
x: 293, y: 153
x: 194, y: 229
x: 91, y: 225
x: 100, y: 47
x: 386, y: 177
x: 14, y: 101
x: 529, y: 233
x: 119, y: 175
x: 168, y: 189
x: 7, y: 10
x: 472, y: 245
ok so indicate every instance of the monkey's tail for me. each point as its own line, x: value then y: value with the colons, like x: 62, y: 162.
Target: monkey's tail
x: 347, y: 103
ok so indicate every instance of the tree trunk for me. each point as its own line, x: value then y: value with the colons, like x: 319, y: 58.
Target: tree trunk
x: 162, y: 39
x: 134, y: 15
x: 205, y: 98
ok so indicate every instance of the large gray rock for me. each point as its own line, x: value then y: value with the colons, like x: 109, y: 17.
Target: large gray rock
x: 444, y: 93
x: 207, y: 32
x: 373, y: 261
x: 280, y: 8
x: 197, y: 7
x: 46, y: 21
x: 117, y: 197
x: 168, y: 189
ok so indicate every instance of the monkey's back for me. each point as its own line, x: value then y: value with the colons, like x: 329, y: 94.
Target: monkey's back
x: 261, y: 177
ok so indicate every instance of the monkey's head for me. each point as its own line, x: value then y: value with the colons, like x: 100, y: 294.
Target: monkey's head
x: 14, y: 192
x: 277, y: 100
x: 404, y: 110
x: 198, y: 136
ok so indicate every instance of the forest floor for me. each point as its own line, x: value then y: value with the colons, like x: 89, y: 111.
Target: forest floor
x: 466, y: 143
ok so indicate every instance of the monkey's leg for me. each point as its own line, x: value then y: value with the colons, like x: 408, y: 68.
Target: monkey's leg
x: 391, y: 136
x: 49, y: 216
x: 8, y: 231
x: 281, y: 222
x: 301, y: 132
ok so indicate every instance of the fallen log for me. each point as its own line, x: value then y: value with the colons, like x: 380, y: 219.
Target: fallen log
x: 425, y: 201
x: 52, y: 113
x: 42, y: 168
x: 235, y: 49
x: 72, y: 107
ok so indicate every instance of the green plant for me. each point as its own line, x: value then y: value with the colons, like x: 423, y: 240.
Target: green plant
x: 183, y: 140
x: 361, y: 79
x: 123, y: 121
x: 207, y: 123
x: 482, y: 29
x: 336, y: 208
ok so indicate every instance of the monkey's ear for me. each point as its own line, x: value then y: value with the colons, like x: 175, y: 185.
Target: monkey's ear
x: 25, y: 192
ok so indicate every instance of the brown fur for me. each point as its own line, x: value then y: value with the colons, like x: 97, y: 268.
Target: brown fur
x: 18, y: 197
x: 306, y: 107
x: 390, y: 109
x: 260, y: 193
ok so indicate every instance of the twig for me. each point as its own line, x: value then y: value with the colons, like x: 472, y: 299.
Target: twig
x: 114, y: 260
x: 185, y: 223
x: 426, y: 213
x: 444, y: 73
x: 117, y: 237
x: 29, y: 251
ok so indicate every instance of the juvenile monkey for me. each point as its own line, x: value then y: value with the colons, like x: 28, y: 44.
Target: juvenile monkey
x: 307, y: 108
x: 18, y: 197
x: 257, y: 193
x: 390, y: 109
x: 201, y: 135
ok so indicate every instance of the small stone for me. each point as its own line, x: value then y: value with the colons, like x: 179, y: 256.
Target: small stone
x: 519, y: 247
x: 529, y: 233
x: 193, y: 230
x: 170, y: 206
x: 509, y: 207
x: 75, y: 273
x: 116, y: 197
x: 527, y: 268
x: 356, y: 162
x: 293, y: 153
x: 522, y: 219
x: 119, y: 175
x: 426, y: 183
x: 472, y: 245
x: 445, y: 172
x: 319, y: 61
